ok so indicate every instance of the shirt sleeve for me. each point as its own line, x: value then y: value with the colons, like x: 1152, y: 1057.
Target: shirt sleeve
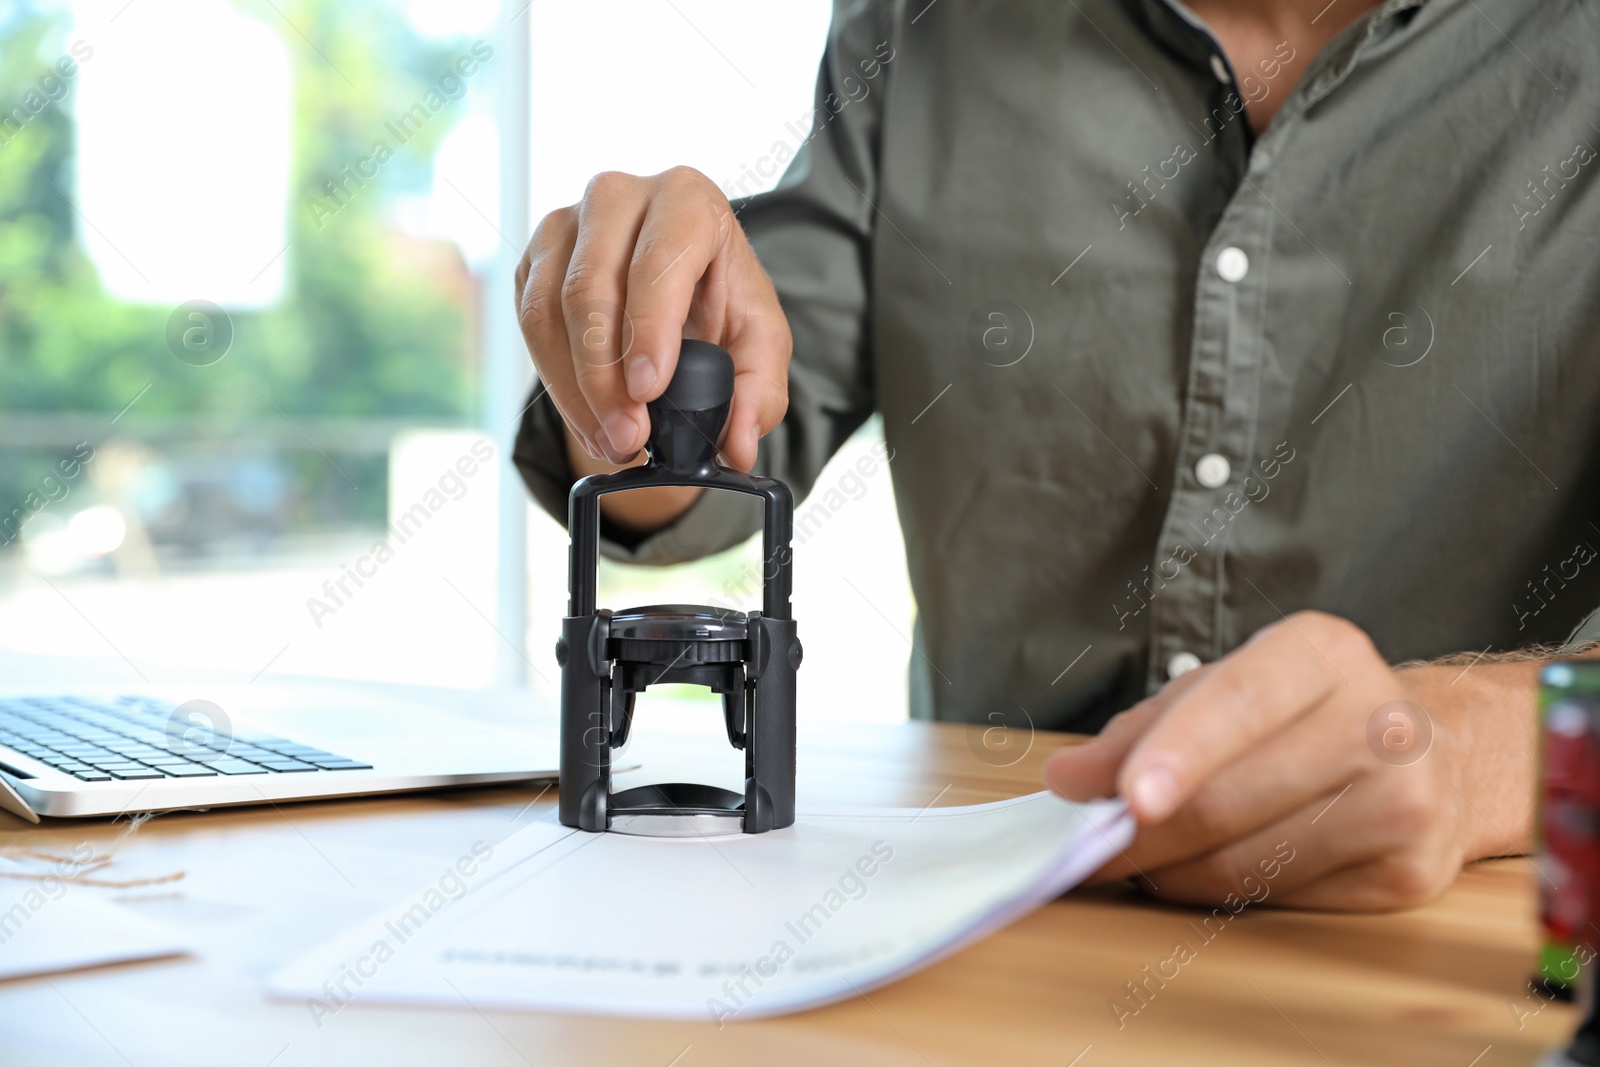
x: 811, y: 234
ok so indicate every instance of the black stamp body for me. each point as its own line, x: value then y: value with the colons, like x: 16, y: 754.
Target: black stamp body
x: 749, y: 658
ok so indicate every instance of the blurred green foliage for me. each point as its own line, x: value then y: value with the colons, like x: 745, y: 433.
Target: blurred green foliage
x: 373, y: 322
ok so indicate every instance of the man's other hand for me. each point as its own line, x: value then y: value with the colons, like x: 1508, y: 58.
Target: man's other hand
x: 1379, y: 783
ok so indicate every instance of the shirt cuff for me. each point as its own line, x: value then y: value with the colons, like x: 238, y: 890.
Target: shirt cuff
x: 1588, y: 630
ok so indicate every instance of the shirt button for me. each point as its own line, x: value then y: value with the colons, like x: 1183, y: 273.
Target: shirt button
x: 1212, y: 470
x: 1182, y: 663
x: 1232, y: 264
x: 1220, y: 69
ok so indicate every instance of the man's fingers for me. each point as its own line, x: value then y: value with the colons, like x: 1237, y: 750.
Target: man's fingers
x: 1272, y: 861
x: 760, y: 348
x: 692, y: 273
x: 615, y: 284
x: 1306, y: 761
x: 539, y: 280
x: 1246, y: 698
x: 682, y: 234
x: 1354, y: 851
x: 1388, y: 883
x: 1269, y: 864
x: 1340, y: 852
x: 1089, y: 771
x: 599, y: 330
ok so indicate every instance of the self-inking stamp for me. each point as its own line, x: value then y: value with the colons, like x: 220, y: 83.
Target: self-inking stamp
x: 607, y: 658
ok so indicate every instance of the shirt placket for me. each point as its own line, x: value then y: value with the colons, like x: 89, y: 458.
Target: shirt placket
x: 1215, y: 443
x: 1222, y: 398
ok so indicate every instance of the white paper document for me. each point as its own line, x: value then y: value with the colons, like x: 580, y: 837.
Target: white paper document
x: 722, y: 928
x: 51, y: 925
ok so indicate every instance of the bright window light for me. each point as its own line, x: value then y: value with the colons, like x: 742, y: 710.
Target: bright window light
x: 184, y: 121
x: 600, y: 101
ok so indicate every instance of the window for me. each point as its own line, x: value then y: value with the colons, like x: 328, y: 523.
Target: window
x: 258, y: 369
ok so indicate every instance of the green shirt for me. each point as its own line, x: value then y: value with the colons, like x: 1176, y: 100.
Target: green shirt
x: 1151, y: 383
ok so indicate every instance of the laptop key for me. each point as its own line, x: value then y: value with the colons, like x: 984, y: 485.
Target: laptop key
x: 287, y: 765
x: 237, y: 766
x: 141, y: 773
x: 93, y: 776
x: 193, y: 770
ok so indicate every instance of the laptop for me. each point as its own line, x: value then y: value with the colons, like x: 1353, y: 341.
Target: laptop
x: 95, y: 751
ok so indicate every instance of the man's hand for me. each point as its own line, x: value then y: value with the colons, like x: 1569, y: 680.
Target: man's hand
x: 607, y: 290
x: 1296, y: 737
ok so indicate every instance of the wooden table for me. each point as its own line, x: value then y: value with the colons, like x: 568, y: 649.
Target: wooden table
x: 1439, y: 985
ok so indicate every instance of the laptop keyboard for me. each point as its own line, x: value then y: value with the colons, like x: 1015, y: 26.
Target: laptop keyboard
x: 130, y: 738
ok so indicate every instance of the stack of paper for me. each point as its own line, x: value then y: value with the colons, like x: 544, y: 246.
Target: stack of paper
x: 723, y: 928
x: 712, y: 927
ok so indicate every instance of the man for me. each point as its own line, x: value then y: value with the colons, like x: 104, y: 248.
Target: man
x: 1245, y: 350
